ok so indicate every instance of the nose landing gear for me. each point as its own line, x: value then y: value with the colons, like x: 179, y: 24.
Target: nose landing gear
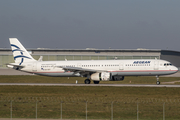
x: 157, y: 77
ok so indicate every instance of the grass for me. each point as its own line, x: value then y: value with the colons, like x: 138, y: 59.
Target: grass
x: 125, y: 99
x: 100, y: 100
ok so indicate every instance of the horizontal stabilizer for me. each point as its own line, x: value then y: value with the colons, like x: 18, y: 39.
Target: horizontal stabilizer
x: 11, y: 65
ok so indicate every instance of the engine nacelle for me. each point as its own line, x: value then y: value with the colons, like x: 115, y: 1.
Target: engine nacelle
x: 106, y: 76
x: 103, y: 76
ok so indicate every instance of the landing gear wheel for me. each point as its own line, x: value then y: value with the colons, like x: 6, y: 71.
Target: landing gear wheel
x: 158, y: 83
x: 96, y: 82
x: 87, y: 81
x: 157, y: 77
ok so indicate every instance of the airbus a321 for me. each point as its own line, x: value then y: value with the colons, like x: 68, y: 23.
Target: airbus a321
x: 95, y: 70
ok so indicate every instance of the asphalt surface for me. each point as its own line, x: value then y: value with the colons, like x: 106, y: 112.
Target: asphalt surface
x: 8, y: 71
x: 59, y: 84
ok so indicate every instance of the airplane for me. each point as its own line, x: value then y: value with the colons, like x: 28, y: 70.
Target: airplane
x: 95, y: 70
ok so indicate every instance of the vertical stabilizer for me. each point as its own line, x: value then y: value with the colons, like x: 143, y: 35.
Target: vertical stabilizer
x: 19, y: 52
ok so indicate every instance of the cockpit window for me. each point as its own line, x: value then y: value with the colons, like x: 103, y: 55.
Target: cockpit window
x: 167, y: 64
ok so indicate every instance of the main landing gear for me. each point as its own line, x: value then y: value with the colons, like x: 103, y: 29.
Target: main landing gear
x: 96, y: 82
x: 88, y: 81
x: 157, y: 77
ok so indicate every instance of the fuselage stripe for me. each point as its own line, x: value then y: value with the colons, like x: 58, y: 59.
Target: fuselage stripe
x: 117, y: 71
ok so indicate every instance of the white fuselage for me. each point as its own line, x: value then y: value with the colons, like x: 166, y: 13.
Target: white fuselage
x: 139, y: 67
x: 96, y: 70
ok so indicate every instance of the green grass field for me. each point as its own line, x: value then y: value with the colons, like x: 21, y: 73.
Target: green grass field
x: 99, y: 100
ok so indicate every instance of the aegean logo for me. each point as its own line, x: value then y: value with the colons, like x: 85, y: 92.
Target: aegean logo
x: 21, y: 54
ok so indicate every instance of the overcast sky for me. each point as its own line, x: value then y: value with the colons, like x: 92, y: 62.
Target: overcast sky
x: 80, y: 24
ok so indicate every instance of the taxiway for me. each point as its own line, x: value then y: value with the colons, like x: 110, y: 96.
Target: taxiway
x: 109, y: 85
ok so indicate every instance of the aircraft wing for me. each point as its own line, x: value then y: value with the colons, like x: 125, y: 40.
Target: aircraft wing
x: 79, y: 69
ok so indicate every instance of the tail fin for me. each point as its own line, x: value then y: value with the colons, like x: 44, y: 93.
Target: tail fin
x: 19, y: 52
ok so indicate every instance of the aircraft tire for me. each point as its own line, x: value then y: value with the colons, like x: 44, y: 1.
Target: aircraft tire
x: 158, y: 83
x: 87, y: 81
x: 96, y: 82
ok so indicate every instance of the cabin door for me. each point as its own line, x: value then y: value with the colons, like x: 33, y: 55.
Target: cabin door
x: 121, y: 66
x: 156, y: 65
x: 79, y: 65
x: 34, y: 67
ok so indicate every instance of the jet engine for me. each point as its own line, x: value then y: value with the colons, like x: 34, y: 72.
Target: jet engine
x: 103, y: 76
x: 106, y: 76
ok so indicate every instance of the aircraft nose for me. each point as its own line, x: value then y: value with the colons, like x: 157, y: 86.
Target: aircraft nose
x: 175, y: 69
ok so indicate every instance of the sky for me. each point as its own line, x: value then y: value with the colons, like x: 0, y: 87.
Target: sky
x: 100, y: 24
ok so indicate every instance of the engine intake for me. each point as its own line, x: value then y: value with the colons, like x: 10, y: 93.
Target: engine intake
x: 103, y: 76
